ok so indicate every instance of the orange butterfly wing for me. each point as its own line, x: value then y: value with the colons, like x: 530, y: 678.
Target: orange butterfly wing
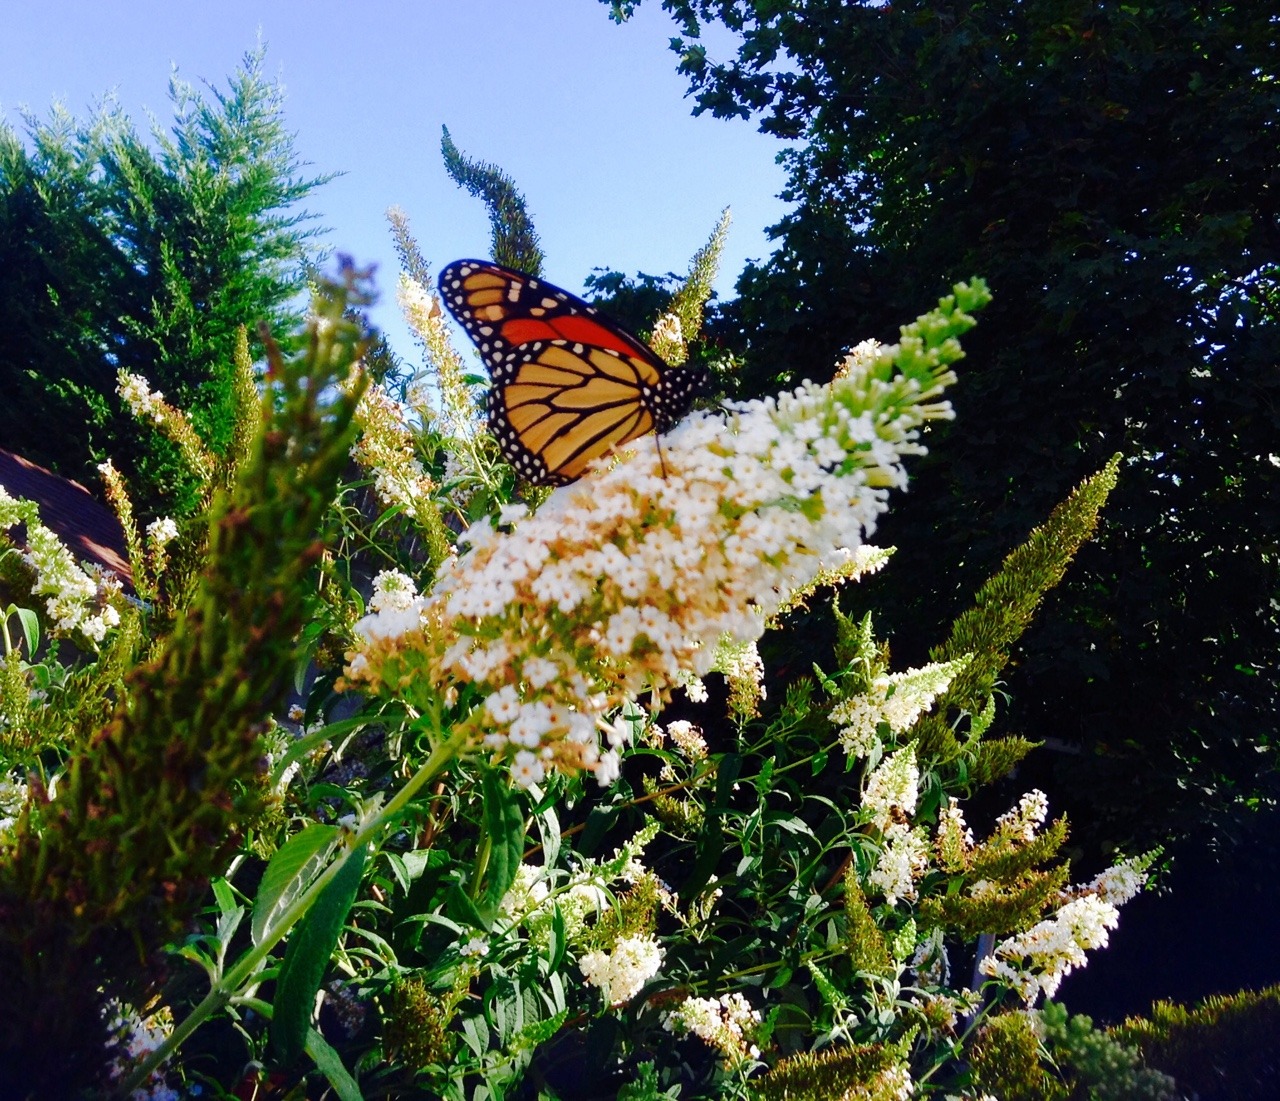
x: 568, y: 385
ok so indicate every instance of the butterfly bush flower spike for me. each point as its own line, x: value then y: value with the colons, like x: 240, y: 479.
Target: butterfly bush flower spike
x: 893, y: 788
x: 625, y: 582
x: 1039, y: 959
x: 727, y: 1023
x: 77, y: 599
x: 904, y: 858
x: 620, y: 973
x: 385, y: 448
x: 896, y: 699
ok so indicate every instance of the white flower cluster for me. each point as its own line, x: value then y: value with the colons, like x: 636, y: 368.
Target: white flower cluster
x: 625, y: 581
x: 897, y: 699
x: 894, y: 1082
x: 893, y: 788
x: 385, y: 449
x: 577, y: 901
x: 951, y: 824
x: 858, y: 357
x: 688, y: 739
x: 473, y: 948
x: 743, y: 668
x: 726, y: 1023
x: 393, y: 591
x: 904, y: 858
x: 620, y: 973
x: 143, y: 402
x: 13, y: 797
x: 162, y: 532
x: 579, y: 898
x: 1040, y: 958
x: 1119, y: 883
x: 1027, y: 817
x: 667, y: 338
x: 75, y: 598
x: 456, y: 413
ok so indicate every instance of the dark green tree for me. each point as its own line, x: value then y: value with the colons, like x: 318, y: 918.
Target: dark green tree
x: 121, y: 252
x: 1112, y: 170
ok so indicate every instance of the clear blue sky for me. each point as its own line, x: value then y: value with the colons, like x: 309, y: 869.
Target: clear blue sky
x: 589, y: 117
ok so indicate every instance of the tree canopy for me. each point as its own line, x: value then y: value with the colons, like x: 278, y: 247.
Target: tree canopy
x: 1112, y: 171
x: 121, y: 253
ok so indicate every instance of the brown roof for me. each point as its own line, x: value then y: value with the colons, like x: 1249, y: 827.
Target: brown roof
x: 89, y: 529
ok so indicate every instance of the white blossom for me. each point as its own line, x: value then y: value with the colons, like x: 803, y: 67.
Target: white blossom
x: 77, y: 598
x: 13, y: 797
x: 903, y: 859
x: 162, y: 532
x: 1039, y: 959
x: 893, y: 788
x: 1027, y: 817
x: 727, y: 1023
x: 620, y: 973
x: 628, y: 579
x: 896, y: 699
x: 688, y: 738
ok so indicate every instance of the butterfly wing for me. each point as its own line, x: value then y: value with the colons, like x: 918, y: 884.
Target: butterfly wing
x: 568, y: 385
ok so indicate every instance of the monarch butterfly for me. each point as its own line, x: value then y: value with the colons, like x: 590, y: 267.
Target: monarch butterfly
x: 569, y: 385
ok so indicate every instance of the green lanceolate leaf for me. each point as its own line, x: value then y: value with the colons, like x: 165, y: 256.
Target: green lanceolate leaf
x: 307, y: 956
x: 504, y: 825
x: 291, y: 869
x: 30, y: 628
x: 330, y: 1065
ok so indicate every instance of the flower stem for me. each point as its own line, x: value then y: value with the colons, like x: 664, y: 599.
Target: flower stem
x: 222, y: 991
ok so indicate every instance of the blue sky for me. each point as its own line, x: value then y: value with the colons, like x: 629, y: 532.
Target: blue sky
x: 589, y: 117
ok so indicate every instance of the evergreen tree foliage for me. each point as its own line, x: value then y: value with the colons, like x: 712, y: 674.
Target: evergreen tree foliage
x: 147, y: 253
x: 1111, y: 170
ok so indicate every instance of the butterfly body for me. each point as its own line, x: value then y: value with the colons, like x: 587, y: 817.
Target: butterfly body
x: 569, y: 385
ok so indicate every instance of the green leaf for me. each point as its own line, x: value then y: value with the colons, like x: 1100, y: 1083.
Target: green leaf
x: 307, y: 956
x: 462, y: 910
x: 330, y: 1065
x: 223, y: 895
x: 30, y: 628
x: 504, y: 825
x: 291, y: 869
x: 558, y: 940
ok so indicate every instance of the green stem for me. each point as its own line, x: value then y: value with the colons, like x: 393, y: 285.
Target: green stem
x: 222, y: 991
x: 482, y: 862
x: 769, y: 965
